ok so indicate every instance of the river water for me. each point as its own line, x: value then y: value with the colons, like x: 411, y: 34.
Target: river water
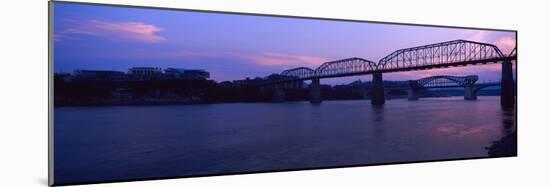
x: 94, y: 144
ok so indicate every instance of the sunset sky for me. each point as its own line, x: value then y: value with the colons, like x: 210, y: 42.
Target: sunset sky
x: 238, y: 46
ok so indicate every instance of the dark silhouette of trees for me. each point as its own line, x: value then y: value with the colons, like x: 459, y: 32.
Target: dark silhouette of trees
x: 177, y: 91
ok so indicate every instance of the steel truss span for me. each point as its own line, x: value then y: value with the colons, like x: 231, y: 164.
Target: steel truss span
x: 301, y: 73
x: 438, y: 55
x: 333, y: 69
x: 348, y: 67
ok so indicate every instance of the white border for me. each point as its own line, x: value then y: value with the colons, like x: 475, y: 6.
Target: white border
x: 24, y: 104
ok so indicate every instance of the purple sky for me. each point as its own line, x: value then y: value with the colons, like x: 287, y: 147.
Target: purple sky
x: 238, y: 46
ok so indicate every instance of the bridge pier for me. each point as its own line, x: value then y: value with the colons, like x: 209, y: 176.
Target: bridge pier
x: 470, y: 92
x: 315, y: 91
x: 377, y: 89
x: 413, y: 94
x: 279, y: 95
x: 507, y: 85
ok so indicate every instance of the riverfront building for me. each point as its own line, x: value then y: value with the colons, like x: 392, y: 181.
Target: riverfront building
x: 189, y: 74
x: 145, y: 73
x: 97, y: 75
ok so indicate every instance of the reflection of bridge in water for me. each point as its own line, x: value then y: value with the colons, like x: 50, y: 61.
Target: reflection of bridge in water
x: 440, y: 55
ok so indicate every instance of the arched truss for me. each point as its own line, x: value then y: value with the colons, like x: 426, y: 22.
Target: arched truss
x: 300, y: 73
x: 443, y: 81
x: 451, y: 53
x: 349, y: 66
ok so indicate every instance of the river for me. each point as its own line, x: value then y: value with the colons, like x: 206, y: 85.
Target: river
x: 94, y: 144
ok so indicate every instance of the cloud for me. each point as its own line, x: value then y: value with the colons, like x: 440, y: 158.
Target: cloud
x: 284, y: 60
x: 473, y: 35
x: 272, y: 59
x: 505, y: 41
x: 506, y: 44
x: 58, y: 37
x: 129, y: 31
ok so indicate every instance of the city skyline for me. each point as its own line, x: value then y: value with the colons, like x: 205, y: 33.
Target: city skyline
x: 233, y: 47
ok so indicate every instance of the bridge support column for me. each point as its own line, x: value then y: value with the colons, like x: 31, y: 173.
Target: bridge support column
x: 279, y: 95
x: 377, y: 89
x: 507, y: 85
x: 470, y: 92
x: 315, y: 91
x: 413, y: 94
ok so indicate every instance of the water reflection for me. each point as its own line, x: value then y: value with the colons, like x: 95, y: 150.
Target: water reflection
x: 156, y: 141
x: 507, y: 145
x: 508, y: 121
x: 378, y: 111
x: 378, y: 127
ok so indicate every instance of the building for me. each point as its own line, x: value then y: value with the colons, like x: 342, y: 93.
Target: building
x: 196, y: 74
x: 174, y: 73
x: 145, y: 73
x: 248, y: 82
x: 191, y: 74
x: 97, y: 75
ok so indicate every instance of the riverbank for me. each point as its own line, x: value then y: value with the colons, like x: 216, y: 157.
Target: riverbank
x: 267, y: 136
x: 198, y: 101
x: 506, y: 146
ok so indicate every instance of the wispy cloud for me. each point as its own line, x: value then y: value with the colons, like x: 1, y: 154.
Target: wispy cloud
x: 128, y: 31
x: 58, y: 37
x: 476, y: 35
x: 506, y: 42
x: 272, y: 59
x: 284, y: 60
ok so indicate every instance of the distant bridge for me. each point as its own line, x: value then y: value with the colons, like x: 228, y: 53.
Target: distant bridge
x: 440, y: 55
x: 443, y: 81
x: 469, y: 84
x: 416, y: 87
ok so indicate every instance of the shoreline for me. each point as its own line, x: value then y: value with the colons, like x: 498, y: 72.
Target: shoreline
x: 184, y: 103
x: 505, y: 147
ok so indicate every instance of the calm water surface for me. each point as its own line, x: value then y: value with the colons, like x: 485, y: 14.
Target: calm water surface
x: 95, y: 144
